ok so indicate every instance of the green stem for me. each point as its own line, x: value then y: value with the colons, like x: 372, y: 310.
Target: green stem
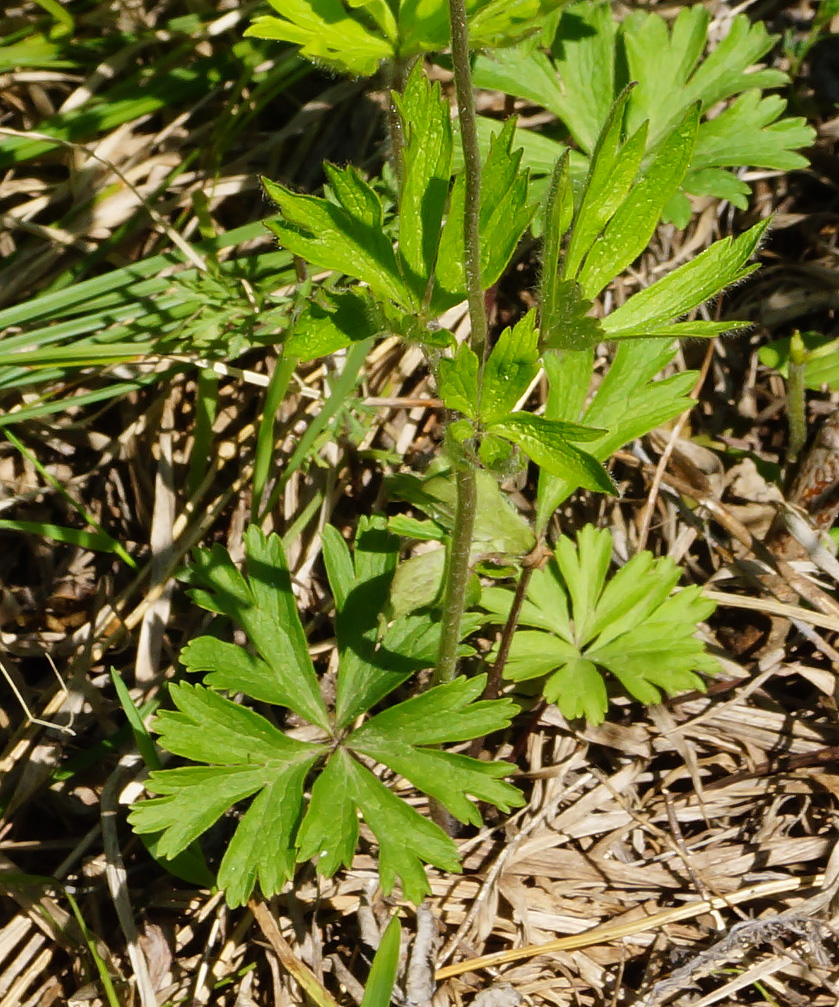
x: 457, y: 574
x: 460, y: 547
x: 796, y: 399
x: 472, y: 168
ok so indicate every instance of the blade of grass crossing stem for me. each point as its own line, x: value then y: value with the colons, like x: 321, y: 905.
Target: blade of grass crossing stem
x: 379, y: 988
x: 101, y: 541
x: 341, y: 390
x: 265, y: 435
x: 142, y: 738
x: 101, y: 967
x: 206, y: 407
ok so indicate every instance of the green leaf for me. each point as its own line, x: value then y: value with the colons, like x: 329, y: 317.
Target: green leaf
x: 380, y: 981
x: 247, y: 755
x: 370, y: 668
x: 505, y: 207
x: 571, y: 327
x: 426, y: 174
x: 559, y: 210
x: 505, y: 214
x: 511, y: 367
x: 394, y: 736
x: 355, y: 41
x: 347, y: 235
x: 263, y: 605
x: 326, y: 33
x: 405, y: 838
x: 548, y: 443
x: 588, y: 626
x: 593, y: 56
x: 613, y: 168
x: 629, y: 231
x: 337, y: 321
x: 751, y: 132
x: 458, y: 381
x: 724, y: 263
x: 628, y: 404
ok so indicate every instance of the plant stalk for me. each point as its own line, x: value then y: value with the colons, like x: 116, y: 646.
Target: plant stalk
x: 460, y: 547
x: 457, y: 573
x: 472, y: 168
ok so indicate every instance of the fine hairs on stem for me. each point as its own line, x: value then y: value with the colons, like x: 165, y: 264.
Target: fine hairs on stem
x: 457, y: 559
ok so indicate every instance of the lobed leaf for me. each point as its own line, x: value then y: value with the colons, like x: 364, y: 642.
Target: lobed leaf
x: 263, y: 605
x: 630, y: 626
x: 347, y: 236
x: 548, y: 443
x: 511, y: 367
x: 426, y: 175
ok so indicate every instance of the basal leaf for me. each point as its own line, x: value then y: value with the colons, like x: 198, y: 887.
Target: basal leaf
x: 629, y: 626
x: 594, y: 57
x: 445, y: 713
x: 449, y: 778
x: 329, y: 830
x: 405, y: 838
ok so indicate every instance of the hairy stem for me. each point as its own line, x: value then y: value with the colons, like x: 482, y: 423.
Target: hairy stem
x: 460, y: 547
x: 472, y: 164
x: 457, y: 574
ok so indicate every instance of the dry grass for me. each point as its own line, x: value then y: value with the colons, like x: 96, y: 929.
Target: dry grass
x: 674, y: 855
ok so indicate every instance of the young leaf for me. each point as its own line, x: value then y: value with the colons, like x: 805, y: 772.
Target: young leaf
x: 426, y: 174
x: 631, y: 627
x: 355, y: 41
x: 326, y: 33
x: 346, y: 235
x: 458, y: 381
x: 512, y: 365
x: 548, y: 443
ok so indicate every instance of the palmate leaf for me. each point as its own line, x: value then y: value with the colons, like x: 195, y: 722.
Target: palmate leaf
x: 239, y: 755
x: 594, y: 57
x: 263, y: 604
x: 586, y: 626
